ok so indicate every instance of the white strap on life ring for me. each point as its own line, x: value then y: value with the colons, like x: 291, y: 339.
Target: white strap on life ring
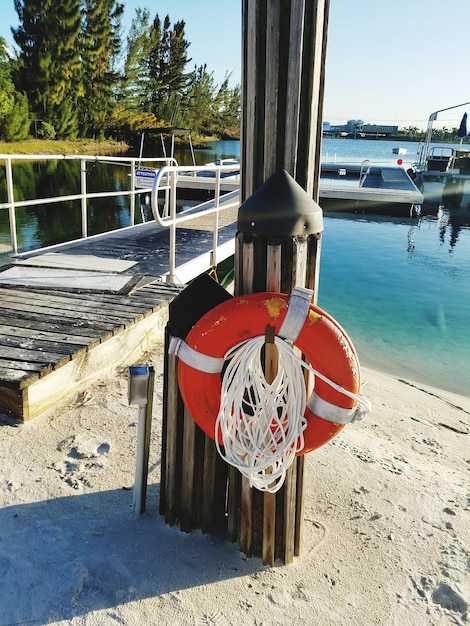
x: 297, y: 312
x: 335, y: 414
x: 193, y: 358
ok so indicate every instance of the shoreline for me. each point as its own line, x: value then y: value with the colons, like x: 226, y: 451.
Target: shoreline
x: 380, y: 367
x: 386, y: 529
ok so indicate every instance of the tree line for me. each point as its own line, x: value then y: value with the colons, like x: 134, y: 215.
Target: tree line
x: 73, y: 76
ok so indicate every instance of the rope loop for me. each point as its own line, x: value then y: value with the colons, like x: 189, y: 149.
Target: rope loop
x: 261, y: 424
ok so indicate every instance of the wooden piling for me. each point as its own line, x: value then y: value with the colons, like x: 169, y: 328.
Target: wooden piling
x: 284, y: 50
x: 284, y: 44
x: 283, y: 69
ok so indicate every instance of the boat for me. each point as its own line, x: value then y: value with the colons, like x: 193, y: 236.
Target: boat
x: 443, y: 172
x: 195, y: 183
x: 200, y: 185
x: 369, y: 189
x: 361, y: 188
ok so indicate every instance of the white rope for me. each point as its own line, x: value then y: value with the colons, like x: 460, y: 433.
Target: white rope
x: 261, y: 424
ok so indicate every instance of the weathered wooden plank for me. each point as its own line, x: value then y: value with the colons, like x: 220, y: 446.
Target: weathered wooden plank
x: 33, y: 356
x: 246, y: 518
x: 300, y: 506
x: 11, y: 401
x: 171, y: 440
x: 234, y: 503
x: 39, y: 344
x: 11, y: 375
x: 208, y: 480
x: 290, y: 512
x: 187, y: 478
x: 136, y: 300
x: 45, y: 335
x: 271, y: 105
x: 77, y: 325
x: 269, y: 528
x: 68, y: 311
x: 67, y: 306
x: 22, y: 366
x: 22, y: 321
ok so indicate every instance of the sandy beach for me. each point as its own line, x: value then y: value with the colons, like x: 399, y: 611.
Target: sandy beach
x: 387, y: 527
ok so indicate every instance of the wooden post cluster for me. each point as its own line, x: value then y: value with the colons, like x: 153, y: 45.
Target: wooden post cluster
x: 284, y: 51
x: 277, y: 248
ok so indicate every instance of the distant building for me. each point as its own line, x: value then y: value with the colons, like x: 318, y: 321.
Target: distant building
x: 357, y: 128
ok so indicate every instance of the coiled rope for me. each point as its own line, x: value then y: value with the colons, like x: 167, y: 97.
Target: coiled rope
x: 261, y: 424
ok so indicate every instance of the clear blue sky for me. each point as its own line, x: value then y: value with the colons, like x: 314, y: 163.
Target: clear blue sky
x: 387, y: 62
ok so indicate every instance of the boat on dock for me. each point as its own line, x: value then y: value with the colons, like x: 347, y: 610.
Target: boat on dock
x: 369, y: 189
x: 444, y: 177
x: 200, y: 185
x: 443, y: 172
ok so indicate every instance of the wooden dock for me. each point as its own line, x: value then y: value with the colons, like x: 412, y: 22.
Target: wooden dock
x: 67, y: 314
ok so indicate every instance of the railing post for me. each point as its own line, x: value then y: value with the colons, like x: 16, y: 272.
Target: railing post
x: 172, y: 257
x: 132, y: 200
x: 11, y: 208
x: 83, y: 198
x: 215, y: 234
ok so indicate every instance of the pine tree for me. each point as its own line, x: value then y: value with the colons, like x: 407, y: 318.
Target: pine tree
x: 166, y: 64
x: 14, y: 111
x: 51, y: 74
x: 101, y: 48
x: 15, y: 124
x: 228, y: 110
x: 7, y: 87
x: 200, y: 101
x: 135, y: 94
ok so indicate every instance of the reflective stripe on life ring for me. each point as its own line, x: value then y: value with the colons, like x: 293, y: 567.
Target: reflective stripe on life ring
x: 322, y: 340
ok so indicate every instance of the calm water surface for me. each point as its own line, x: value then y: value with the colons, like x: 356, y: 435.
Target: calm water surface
x: 401, y: 290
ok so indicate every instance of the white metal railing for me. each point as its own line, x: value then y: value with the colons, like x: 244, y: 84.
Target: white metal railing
x: 166, y: 174
x: 168, y: 179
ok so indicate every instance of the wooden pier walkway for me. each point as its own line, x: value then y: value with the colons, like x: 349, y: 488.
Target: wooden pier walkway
x: 68, y: 314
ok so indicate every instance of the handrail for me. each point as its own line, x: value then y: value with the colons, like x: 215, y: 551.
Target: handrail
x: 422, y: 153
x: 166, y: 180
x: 365, y: 169
x: 167, y: 173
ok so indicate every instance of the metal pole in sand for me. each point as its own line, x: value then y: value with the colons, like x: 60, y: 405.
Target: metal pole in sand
x: 141, y: 384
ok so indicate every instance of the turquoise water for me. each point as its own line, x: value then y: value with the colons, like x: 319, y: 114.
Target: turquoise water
x: 401, y: 290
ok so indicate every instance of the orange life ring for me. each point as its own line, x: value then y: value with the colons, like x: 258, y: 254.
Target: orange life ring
x: 322, y: 340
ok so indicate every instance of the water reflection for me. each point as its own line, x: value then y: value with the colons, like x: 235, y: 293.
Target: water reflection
x: 451, y: 223
x: 49, y: 224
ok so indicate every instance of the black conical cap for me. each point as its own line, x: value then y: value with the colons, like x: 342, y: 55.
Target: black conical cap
x: 280, y: 207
